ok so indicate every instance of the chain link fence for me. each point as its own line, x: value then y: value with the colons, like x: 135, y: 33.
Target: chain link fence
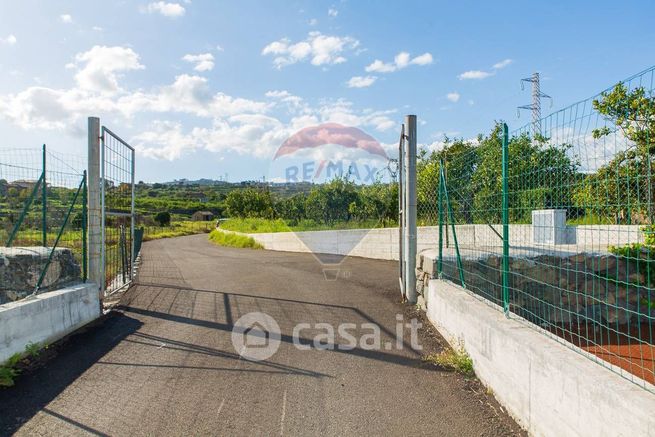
x: 554, y: 223
x: 42, y: 222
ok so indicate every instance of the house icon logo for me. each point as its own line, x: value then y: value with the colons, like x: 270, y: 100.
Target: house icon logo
x: 256, y: 336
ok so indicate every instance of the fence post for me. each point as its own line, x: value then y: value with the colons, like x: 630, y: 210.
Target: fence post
x: 85, y: 214
x: 440, y: 209
x: 505, y: 219
x: 410, y: 210
x: 94, y: 211
x: 44, y: 203
x: 401, y: 214
x: 132, y: 255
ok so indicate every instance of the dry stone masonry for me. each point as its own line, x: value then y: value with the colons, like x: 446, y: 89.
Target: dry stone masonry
x: 20, y: 268
x: 548, y: 289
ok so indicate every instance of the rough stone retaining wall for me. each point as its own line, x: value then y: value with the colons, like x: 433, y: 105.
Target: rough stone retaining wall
x: 20, y: 268
x: 601, y: 288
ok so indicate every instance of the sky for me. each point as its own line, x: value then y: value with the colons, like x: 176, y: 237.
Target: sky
x: 206, y: 88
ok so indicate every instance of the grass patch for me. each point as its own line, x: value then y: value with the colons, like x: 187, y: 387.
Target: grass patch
x: 233, y: 240
x: 260, y: 225
x: 9, y: 369
x: 177, y: 229
x: 453, y: 359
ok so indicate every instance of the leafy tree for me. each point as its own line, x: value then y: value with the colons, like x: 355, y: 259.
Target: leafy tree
x: 163, y: 218
x: 627, y: 178
x: 250, y: 202
x: 331, y: 202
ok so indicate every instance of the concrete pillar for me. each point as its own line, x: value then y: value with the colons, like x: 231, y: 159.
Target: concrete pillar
x: 94, y: 249
x: 410, y: 209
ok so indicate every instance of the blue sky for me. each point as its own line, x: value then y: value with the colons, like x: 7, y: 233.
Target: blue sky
x: 204, y: 88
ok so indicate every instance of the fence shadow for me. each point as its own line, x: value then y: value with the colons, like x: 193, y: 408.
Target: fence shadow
x: 35, y: 389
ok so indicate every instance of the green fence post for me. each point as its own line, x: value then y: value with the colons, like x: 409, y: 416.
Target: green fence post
x: 56, y: 243
x: 24, y: 212
x: 440, y: 267
x: 44, y: 203
x: 460, y: 267
x: 505, y: 221
x: 84, y: 227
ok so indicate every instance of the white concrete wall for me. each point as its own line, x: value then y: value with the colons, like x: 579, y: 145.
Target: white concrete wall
x: 548, y: 388
x: 46, y: 317
x: 383, y: 243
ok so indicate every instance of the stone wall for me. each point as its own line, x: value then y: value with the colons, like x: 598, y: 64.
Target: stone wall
x: 20, y: 268
x: 549, y: 289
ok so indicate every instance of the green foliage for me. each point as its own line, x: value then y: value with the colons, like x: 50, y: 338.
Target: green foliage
x: 453, y: 359
x: 631, y: 114
x: 163, y: 218
x: 177, y: 229
x: 331, y: 202
x: 7, y: 376
x: 257, y: 225
x: 33, y: 349
x: 233, y: 240
x: 250, y: 202
x: 8, y: 371
x: 474, y: 178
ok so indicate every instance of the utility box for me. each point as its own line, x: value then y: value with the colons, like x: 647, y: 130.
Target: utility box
x: 549, y: 226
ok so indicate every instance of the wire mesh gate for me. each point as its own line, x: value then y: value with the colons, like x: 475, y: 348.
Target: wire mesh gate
x: 117, y: 204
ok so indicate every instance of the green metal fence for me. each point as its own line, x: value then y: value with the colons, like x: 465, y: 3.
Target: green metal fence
x: 554, y: 224
x: 42, y: 222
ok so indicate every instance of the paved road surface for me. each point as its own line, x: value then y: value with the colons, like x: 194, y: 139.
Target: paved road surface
x: 165, y: 363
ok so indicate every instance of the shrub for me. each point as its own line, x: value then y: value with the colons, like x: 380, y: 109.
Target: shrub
x: 163, y: 218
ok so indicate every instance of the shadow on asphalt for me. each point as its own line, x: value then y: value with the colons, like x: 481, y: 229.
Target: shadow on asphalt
x: 72, y: 357
x: 287, y: 304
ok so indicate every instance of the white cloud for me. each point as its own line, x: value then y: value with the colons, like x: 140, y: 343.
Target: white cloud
x: 319, y: 49
x: 286, y: 97
x: 9, y: 40
x: 100, y: 67
x: 361, y: 81
x: 188, y: 94
x: 202, y: 61
x: 219, y: 48
x: 223, y: 123
x: 332, y: 12
x: 453, y: 97
x: 171, y: 10
x: 401, y: 60
x: 424, y: 59
x: 480, y: 74
x: 502, y: 64
x: 97, y: 28
x: 475, y: 75
x: 313, y: 22
x: 66, y: 18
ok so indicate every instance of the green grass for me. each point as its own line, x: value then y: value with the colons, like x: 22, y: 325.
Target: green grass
x: 453, y: 359
x: 9, y: 369
x: 177, y: 229
x: 233, y: 240
x: 259, y: 225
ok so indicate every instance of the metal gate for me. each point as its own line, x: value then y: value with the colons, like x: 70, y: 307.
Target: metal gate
x: 117, y: 206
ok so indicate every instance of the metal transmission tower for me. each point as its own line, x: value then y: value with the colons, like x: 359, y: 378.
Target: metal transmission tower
x: 535, y: 107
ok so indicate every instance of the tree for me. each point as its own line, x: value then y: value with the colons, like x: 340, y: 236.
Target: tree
x: 251, y: 203
x: 331, y: 202
x: 163, y: 218
x: 622, y: 188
